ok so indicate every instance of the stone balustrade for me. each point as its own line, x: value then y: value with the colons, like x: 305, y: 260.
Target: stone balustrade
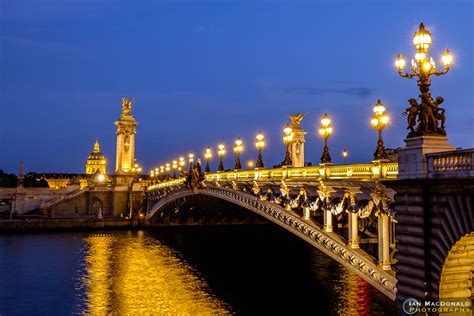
x: 456, y: 163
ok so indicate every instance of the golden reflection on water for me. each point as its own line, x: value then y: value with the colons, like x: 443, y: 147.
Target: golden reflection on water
x: 351, y: 293
x: 130, y: 274
x: 354, y: 298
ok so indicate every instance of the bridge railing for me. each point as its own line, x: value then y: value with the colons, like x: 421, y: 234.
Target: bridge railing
x: 457, y: 163
x: 376, y: 170
x: 167, y: 184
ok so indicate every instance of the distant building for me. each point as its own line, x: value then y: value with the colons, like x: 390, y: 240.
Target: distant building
x: 96, y: 161
x: 58, y: 181
x: 96, y: 164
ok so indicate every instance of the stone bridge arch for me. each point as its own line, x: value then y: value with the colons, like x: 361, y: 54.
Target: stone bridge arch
x: 329, y: 243
x: 434, y: 216
x: 457, y: 275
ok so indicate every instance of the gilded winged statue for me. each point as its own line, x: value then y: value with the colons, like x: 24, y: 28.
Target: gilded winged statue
x: 296, y: 119
x: 127, y: 106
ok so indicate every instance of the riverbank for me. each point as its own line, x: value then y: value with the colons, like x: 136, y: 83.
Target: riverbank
x: 27, y: 225
x: 76, y: 224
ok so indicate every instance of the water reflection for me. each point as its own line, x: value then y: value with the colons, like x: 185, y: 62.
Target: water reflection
x: 352, y: 295
x: 132, y: 273
x: 252, y: 270
x: 99, y: 273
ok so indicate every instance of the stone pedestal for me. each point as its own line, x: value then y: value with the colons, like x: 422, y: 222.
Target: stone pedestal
x: 412, y: 158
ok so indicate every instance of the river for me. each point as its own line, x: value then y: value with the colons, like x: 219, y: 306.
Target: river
x: 244, y: 270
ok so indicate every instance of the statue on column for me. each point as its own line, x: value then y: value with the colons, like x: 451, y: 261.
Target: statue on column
x: 127, y: 106
x: 296, y: 119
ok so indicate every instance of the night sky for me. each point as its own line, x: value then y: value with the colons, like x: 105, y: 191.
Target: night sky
x: 206, y: 71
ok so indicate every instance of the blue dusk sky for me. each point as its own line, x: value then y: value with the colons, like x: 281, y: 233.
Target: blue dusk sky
x: 208, y: 71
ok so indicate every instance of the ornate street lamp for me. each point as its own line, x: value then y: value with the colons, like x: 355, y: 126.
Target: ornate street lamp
x: 162, y: 170
x: 208, y: 156
x: 325, y: 131
x: 250, y: 164
x: 259, y: 143
x: 220, y: 153
x: 168, y: 167
x: 136, y: 168
x: 174, y: 166
x: 238, y: 148
x: 191, y: 161
x: 181, y: 164
x: 287, y: 139
x: 379, y: 122
x: 423, y: 66
x: 344, y: 155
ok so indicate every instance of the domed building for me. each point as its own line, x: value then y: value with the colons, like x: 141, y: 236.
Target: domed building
x: 96, y: 161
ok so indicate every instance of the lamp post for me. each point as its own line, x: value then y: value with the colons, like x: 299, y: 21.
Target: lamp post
x: 181, y: 164
x: 168, y: 167
x: 174, y: 166
x: 424, y: 67
x: 221, y: 153
x: 208, y: 156
x: 344, y: 155
x: 238, y: 148
x: 259, y: 143
x: 191, y: 161
x: 162, y: 170
x: 325, y: 131
x: 379, y: 122
x: 152, y: 176
x: 287, y: 139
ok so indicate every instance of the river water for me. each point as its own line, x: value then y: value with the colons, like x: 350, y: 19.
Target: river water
x: 244, y: 270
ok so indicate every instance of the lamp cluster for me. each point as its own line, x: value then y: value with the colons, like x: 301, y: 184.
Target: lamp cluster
x: 163, y: 171
x: 422, y: 66
x: 379, y: 122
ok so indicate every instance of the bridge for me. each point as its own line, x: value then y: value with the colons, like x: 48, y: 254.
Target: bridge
x: 334, y: 208
x: 404, y: 222
x: 395, y: 234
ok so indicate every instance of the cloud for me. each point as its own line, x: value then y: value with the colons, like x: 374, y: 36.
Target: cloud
x: 360, y: 92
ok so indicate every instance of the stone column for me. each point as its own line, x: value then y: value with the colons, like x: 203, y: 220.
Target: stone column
x: 353, y: 230
x: 328, y: 221
x: 306, y: 213
x: 385, y: 242
x: 380, y: 239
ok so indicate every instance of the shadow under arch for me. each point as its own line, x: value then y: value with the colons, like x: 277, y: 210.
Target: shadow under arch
x: 331, y: 244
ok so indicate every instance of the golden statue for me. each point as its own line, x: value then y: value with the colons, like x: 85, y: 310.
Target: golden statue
x: 296, y: 119
x: 127, y: 106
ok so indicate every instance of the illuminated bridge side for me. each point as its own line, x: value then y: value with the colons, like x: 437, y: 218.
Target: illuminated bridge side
x: 343, y: 211
x: 309, y: 230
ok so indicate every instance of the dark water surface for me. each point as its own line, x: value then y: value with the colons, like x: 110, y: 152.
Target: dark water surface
x: 245, y: 270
